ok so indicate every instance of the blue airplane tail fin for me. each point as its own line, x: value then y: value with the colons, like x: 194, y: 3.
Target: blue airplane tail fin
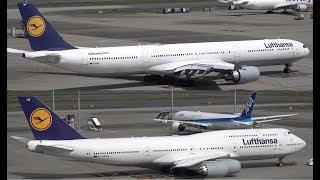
x: 246, y: 113
x: 40, y: 33
x: 44, y: 123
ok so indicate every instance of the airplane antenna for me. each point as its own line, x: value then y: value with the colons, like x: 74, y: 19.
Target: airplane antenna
x: 235, y: 102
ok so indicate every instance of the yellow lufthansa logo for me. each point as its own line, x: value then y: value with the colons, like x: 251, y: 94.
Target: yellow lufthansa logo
x: 40, y: 119
x: 36, y: 26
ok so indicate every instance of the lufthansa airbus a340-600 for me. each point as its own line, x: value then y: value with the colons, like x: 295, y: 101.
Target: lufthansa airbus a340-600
x: 234, y: 61
x: 212, y: 154
x: 270, y: 5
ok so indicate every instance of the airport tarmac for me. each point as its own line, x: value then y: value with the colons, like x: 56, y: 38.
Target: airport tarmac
x: 129, y: 122
x: 83, y: 27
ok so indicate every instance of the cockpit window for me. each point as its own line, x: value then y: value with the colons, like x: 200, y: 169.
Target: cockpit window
x: 304, y: 46
x: 289, y: 132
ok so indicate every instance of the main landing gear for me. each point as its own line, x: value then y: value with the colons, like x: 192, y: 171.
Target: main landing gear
x: 280, y: 163
x: 287, y: 68
x: 284, y: 11
x: 269, y: 12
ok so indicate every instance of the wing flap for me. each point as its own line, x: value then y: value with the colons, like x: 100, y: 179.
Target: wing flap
x: 191, y: 67
x: 192, y: 161
x: 285, y: 5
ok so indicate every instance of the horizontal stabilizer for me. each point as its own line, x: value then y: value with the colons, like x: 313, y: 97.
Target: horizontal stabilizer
x: 21, y: 139
x: 16, y: 51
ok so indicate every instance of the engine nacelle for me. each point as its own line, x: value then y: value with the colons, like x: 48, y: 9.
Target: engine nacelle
x: 178, y: 127
x: 301, y: 7
x: 220, y: 168
x: 245, y: 74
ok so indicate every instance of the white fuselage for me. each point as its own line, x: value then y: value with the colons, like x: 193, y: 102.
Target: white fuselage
x: 217, y: 120
x: 196, y: 115
x: 272, y: 4
x: 141, y: 59
x: 239, y: 144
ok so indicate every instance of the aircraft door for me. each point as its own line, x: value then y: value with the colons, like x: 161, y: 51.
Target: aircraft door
x: 236, y: 53
x: 293, y: 51
x: 145, y: 56
x: 196, y: 56
x: 192, y: 149
x: 84, y: 61
x: 234, y: 147
x: 147, y: 152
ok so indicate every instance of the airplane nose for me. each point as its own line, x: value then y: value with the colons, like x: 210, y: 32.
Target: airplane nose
x: 307, y: 51
x: 303, y: 144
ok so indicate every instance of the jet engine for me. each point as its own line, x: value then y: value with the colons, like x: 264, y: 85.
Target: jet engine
x: 244, y: 75
x: 177, y: 127
x: 301, y: 7
x: 220, y: 168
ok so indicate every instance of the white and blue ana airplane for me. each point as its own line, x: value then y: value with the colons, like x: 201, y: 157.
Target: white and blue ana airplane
x: 270, y: 5
x: 198, y: 121
x: 229, y: 60
x: 215, y: 153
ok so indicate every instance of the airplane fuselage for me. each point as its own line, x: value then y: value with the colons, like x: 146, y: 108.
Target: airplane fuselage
x: 271, y: 4
x: 142, y: 59
x: 245, y: 144
x: 217, y: 120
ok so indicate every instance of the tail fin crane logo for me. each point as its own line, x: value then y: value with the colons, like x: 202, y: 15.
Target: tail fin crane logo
x: 40, y: 119
x: 36, y: 26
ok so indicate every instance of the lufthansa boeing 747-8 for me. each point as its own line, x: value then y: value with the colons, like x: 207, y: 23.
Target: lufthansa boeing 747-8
x: 212, y: 154
x: 236, y: 61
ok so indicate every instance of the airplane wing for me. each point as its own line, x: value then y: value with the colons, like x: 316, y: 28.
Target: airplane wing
x: 285, y: 5
x: 192, y: 67
x: 271, y: 118
x: 54, y: 148
x: 194, y: 124
x: 264, y: 119
x: 192, y: 161
x: 240, y: 2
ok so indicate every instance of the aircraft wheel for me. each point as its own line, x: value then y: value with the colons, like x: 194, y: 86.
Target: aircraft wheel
x: 287, y: 70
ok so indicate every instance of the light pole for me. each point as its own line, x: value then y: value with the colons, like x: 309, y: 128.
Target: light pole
x: 78, y: 98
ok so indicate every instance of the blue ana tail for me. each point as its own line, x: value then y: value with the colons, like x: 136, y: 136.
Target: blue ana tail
x: 44, y: 123
x: 40, y: 33
x: 246, y: 113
